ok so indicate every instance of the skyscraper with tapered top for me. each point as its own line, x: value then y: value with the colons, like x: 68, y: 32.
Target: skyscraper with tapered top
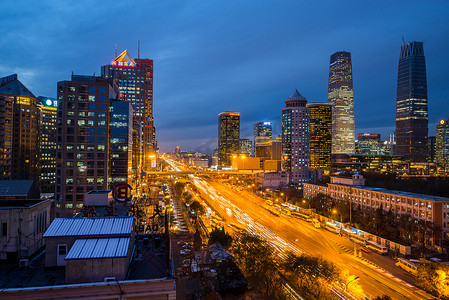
x: 411, y: 103
x: 340, y: 95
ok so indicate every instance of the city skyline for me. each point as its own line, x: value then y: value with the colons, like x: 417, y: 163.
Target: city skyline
x: 217, y: 65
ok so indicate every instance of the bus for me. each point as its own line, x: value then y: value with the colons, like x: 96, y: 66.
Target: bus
x: 302, y: 216
x: 408, y: 266
x: 376, y: 247
x: 360, y: 240
x: 332, y: 227
x: 316, y: 223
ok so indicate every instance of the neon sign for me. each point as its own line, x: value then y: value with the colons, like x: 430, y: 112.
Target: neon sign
x: 123, y: 63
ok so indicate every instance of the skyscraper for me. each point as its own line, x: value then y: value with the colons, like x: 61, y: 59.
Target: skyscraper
x: 47, y: 143
x: 228, y: 137
x: 295, y: 139
x: 5, y: 137
x: 442, y: 144
x: 411, y: 103
x: 368, y: 143
x: 340, y: 95
x: 320, y: 135
x: 246, y: 147
x: 83, y: 139
x: 24, y: 164
x: 135, y: 80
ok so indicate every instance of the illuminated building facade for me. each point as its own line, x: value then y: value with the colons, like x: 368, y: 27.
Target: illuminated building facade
x: 24, y: 163
x: 295, y: 139
x: 246, y: 147
x: 442, y: 144
x: 431, y: 149
x: 367, y: 143
x: 320, y: 135
x: 135, y: 80
x: 411, y: 103
x: 121, y: 131
x: 5, y: 137
x: 421, y: 207
x: 228, y: 137
x: 340, y: 95
x: 371, y: 163
x: 47, y: 143
x: 82, y: 152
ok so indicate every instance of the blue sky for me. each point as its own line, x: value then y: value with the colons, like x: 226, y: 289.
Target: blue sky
x: 246, y: 56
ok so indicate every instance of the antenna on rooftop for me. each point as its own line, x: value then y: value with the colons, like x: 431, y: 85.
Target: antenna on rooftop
x: 115, y: 50
x: 403, y: 40
x: 138, y: 48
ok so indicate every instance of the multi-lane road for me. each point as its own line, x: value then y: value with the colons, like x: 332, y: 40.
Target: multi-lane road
x: 287, y: 233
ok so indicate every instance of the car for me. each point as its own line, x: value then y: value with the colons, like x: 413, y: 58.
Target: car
x: 184, y: 252
x: 181, y: 243
x: 366, y: 250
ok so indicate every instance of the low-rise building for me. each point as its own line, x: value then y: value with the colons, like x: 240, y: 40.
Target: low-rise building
x: 273, y: 180
x: 23, y: 222
x: 421, y: 207
x: 19, y: 189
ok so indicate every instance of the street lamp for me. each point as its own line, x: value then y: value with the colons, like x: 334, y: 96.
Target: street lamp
x: 351, y: 281
x: 304, y: 201
x: 336, y: 212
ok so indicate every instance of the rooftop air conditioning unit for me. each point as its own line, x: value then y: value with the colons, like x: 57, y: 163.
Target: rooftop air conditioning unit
x: 24, y: 263
x: 109, y: 279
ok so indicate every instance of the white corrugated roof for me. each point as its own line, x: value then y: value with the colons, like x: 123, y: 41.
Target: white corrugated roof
x: 90, y: 226
x: 99, y: 248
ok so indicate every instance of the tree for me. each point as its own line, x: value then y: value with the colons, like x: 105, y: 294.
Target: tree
x: 258, y: 262
x: 179, y: 187
x: 220, y: 236
x: 197, y: 208
x: 311, y: 273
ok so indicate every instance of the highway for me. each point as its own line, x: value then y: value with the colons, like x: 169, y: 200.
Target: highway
x: 287, y: 233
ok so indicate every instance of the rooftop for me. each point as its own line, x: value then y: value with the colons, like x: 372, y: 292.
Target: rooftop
x: 99, y: 248
x: 99, y: 192
x: 399, y: 193
x: 15, y: 187
x: 296, y: 96
x: 90, y: 226
x: 20, y: 203
x: 10, y: 85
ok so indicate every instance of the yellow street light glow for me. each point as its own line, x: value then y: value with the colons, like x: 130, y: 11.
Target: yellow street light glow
x: 235, y: 156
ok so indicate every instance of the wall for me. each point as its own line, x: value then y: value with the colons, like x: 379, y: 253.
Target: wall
x: 95, y: 270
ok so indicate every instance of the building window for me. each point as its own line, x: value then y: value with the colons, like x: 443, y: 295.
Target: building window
x: 62, y: 249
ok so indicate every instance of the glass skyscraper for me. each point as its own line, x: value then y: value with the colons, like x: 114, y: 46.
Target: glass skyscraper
x: 135, y: 80
x: 228, y: 137
x: 320, y: 135
x: 340, y: 95
x: 411, y: 103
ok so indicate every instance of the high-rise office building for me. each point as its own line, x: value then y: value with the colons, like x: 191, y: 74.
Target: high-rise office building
x: 431, y: 149
x: 246, y: 147
x: 47, y: 143
x: 82, y: 153
x: 121, y: 131
x: 411, y: 103
x: 24, y: 163
x: 340, y: 95
x: 442, y: 144
x: 228, y: 137
x: 368, y: 143
x: 295, y: 139
x: 5, y: 137
x: 135, y: 80
x: 262, y: 129
x: 320, y: 135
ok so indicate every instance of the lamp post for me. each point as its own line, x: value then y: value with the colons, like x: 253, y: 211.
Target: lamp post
x: 351, y: 281
x: 304, y: 201
x: 336, y: 212
x: 243, y: 162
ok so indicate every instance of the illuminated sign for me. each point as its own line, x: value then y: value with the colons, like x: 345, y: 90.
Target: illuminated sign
x: 123, y: 63
x: 442, y: 122
x: 266, y: 123
x: 234, y: 114
x: 49, y: 102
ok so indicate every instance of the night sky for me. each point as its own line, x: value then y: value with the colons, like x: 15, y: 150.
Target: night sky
x: 246, y: 56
